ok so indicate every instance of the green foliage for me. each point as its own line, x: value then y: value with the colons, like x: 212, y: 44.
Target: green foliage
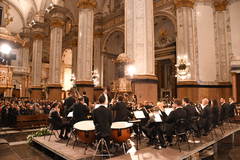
x: 39, y: 133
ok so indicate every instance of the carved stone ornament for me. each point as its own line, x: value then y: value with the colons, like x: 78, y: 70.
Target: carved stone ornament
x: 220, y: 5
x: 38, y: 35
x: 57, y: 22
x: 184, y: 3
x: 91, y: 4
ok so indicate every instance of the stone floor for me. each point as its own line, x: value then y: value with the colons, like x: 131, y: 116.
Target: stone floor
x: 23, y: 151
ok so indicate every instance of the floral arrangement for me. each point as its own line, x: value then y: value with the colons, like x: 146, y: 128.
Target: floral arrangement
x: 39, y: 133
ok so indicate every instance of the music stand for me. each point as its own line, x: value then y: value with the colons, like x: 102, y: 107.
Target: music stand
x: 138, y: 115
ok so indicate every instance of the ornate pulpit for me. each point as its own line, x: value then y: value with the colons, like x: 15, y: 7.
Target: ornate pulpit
x: 122, y: 84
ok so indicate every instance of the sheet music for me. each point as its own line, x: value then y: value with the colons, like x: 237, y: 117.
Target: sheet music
x: 139, y: 114
x: 157, y: 117
x: 70, y: 114
x: 168, y: 110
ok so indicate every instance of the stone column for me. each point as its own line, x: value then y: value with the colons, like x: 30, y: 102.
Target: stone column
x: 25, y: 63
x: 74, y: 58
x: 186, y: 47
x: 36, y: 88
x: 139, y: 44
x: 221, y: 40
x: 85, y: 47
x: 185, y: 37
x: 56, y: 36
x: 234, y: 25
x: 97, y: 50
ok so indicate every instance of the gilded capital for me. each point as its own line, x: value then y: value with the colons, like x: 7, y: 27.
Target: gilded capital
x: 56, y: 22
x: 220, y: 5
x: 184, y: 3
x: 38, y: 35
x: 91, y: 4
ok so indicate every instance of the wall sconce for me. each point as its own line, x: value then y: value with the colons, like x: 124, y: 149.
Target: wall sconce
x: 183, y: 68
x: 95, y: 77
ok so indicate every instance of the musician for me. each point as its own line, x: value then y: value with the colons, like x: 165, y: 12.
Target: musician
x: 68, y: 102
x: 102, y: 118
x: 122, y: 113
x: 191, y: 111
x: 173, y: 118
x: 80, y: 111
x: 232, y: 107
x: 224, y: 109
x: 205, y: 116
x: 85, y: 97
x: 57, y: 122
x: 155, y: 126
x: 215, y: 112
x: 106, y: 96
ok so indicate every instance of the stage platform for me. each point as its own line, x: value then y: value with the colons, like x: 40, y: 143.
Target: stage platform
x: 144, y: 153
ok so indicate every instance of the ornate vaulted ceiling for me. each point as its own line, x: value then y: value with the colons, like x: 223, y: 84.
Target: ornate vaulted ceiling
x: 23, y: 11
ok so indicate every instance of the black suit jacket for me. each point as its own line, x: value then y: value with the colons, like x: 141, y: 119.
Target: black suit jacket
x: 55, y: 120
x: 102, y: 118
x: 69, y: 101
x: 191, y: 112
x: 122, y: 112
x: 224, y: 111
x: 215, y: 115
x: 80, y: 112
x: 206, y: 118
x: 86, y: 100
x: 173, y: 119
x: 232, y: 109
x: 177, y: 114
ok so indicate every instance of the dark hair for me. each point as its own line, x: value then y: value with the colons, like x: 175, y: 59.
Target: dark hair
x: 120, y: 98
x: 54, y: 105
x: 185, y: 99
x: 101, y: 99
x: 178, y: 102
x: 214, y: 102
x: 84, y: 92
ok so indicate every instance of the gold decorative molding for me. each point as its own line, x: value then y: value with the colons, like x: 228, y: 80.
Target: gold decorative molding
x: 56, y: 22
x: 15, y: 39
x: 38, y: 35
x: 184, y: 3
x: 91, y: 4
x: 220, y: 5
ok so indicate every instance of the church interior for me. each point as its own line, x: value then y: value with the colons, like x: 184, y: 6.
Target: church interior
x: 113, y: 79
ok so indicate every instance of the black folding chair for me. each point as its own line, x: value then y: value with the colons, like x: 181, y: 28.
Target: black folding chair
x: 181, y: 133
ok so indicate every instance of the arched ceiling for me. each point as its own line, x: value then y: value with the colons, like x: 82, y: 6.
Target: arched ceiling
x: 26, y: 9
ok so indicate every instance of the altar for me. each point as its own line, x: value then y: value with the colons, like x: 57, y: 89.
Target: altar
x: 6, y: 83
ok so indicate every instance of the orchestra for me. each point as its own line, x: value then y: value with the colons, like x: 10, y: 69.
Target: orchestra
x: 157, y: 123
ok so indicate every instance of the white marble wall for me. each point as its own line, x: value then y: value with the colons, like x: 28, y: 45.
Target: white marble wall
x: 234, y: 11
x: 206, y: 42
x: 139, y: 35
